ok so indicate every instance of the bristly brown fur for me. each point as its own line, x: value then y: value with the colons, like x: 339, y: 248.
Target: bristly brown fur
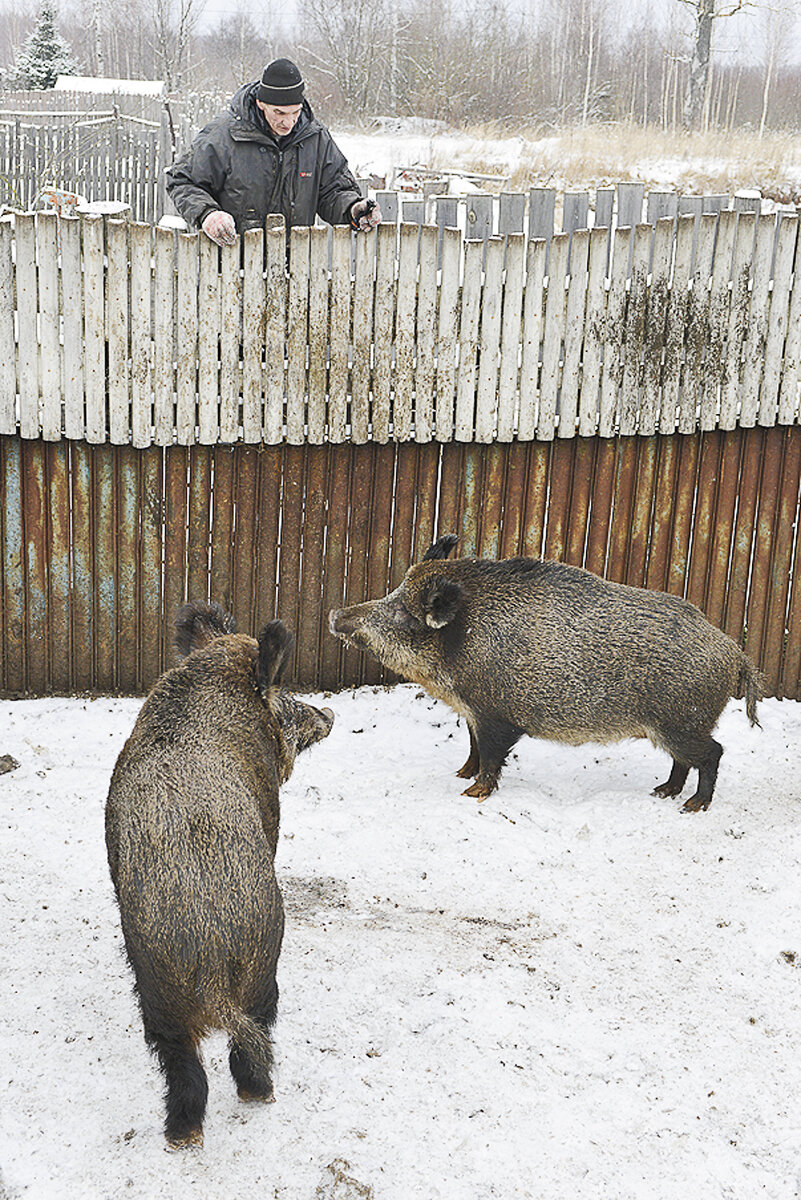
x: 191, y: 831
x: 196, y: 625
x: 550, y: 650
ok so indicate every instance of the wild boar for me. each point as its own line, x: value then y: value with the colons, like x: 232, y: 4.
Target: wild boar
x: 538, y: 647
x: 191, y: 832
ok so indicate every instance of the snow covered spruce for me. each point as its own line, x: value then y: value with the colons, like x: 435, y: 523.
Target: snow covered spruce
x: 529, y: 646
x: 191, y: 831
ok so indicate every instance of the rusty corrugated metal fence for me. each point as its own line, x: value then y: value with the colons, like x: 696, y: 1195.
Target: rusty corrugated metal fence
x: 101, y: 544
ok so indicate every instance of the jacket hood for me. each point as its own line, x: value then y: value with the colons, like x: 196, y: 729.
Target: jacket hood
x: 243, y: 107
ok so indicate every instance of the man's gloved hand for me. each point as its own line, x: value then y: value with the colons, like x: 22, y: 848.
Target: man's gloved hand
x: 365, y: 215
x: 220, y: 227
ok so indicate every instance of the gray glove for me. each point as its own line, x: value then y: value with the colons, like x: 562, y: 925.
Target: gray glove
x: 220, y: 227
x: 365, y: 215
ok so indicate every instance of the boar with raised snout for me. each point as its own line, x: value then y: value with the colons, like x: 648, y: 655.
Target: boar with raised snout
x: 191, y: 832
x: 532, y: 646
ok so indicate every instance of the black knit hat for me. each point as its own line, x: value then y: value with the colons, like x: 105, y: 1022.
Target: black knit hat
x: 281, y: 84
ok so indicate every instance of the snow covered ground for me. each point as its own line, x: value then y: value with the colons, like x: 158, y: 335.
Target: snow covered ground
x: 569, y: 992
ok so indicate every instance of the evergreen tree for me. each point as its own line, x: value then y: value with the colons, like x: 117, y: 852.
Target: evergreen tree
x: 44, y: 56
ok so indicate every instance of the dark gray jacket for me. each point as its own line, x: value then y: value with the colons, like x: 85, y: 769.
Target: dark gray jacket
x: 235, y: 164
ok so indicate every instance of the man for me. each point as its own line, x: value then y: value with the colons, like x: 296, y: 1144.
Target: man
x: 267, y: 154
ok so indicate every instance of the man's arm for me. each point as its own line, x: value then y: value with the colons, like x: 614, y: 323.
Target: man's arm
x: 338, y: 190
x: 196, y: 178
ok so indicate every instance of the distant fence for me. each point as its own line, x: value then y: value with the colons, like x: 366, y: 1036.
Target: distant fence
x: 103, y: 146
x: 112, y: 146
x: 114, y: 331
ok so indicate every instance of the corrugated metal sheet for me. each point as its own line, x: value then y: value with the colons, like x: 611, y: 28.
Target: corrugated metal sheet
x: 100, y: 545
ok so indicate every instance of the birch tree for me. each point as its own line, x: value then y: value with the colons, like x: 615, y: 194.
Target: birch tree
x: 704, y: 14
x: 174, y: 22
x: 777, y: 24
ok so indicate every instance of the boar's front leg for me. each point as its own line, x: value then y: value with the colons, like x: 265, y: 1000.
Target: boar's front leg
x: 494, y: 738
x: 470, y: 768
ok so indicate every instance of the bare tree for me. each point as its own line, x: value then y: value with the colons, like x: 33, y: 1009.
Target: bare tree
x: 704, y: 14
x: 174, y: 22
x: 354, y: 41
x: 777, y: 23
x: 239, y: 45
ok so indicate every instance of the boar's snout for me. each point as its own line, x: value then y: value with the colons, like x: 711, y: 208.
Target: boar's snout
x: 344, y: 622
x: 335, y: 619
x: 327, y: 723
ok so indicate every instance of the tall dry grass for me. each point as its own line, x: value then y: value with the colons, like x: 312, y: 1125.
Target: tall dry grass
x: 594, y: 156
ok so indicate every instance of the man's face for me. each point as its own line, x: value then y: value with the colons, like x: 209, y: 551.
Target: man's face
x: 281, y: 120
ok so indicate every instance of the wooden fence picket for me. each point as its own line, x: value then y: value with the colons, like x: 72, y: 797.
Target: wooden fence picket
x: 552, y: 337
x: 489, y: 342
x: 140, y: 235
x: 405, y: 330
x: 790, y: 390
x: 757, y: 325
x: 297, y: 337
x: 8, y: 348
x: 510, y: 336
x: 163, y: 336
x: 49, y: 340
x: 777, y: 327
x: 131, y: 335
x: 593, y: 333
x: 426, y: 341
x: 574, y: 332
x: 318, y: 333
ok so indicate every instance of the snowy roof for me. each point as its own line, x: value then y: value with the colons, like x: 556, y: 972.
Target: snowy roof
x: 92, y: 83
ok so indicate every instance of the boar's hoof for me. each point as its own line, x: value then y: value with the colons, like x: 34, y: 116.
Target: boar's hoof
x: 479, y: 790
x: 251, y: 1097
x: 665, y: 791
x: 468, y: 771
x: 185, y: 1140
x: 697, y: 803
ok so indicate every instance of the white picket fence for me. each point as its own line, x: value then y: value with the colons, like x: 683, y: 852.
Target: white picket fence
x: 116, y: 331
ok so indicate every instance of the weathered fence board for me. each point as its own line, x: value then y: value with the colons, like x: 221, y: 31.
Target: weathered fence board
x: 113, y: 336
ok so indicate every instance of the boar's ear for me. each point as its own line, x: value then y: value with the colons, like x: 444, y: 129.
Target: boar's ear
x: 198, y: 624
x: 441, y: 601
x: 441, y: 548
x: 275, y: 645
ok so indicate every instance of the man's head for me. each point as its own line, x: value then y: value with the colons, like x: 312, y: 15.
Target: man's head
x: 280, y: 95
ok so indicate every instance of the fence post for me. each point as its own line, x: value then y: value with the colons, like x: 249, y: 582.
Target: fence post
x: 388, y: 203
x: 541, y: 204
x: 511, y: 212
x: 604, y: 207
x: 479, y: 217
x: 629, y: 203
x: 575, y: 211
x: 446, y: 216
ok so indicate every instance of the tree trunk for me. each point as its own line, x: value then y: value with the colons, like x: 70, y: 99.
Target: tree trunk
x: 699, y: 63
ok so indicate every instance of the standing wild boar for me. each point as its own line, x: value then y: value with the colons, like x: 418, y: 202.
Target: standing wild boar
x: 191, y: 831
x: 538, y: 647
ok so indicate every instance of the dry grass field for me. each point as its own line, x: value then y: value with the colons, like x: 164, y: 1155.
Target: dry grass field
x: 600, y: 155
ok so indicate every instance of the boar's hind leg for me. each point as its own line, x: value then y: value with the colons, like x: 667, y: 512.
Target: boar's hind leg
x: 471, y: 768
x: 494, y: 739
x: 187, y: 1087
x: 250, y: 1065
x: 698, y: 750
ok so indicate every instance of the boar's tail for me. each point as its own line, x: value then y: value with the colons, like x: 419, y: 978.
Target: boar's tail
x: 750, y: 686
x: 250, y: 1036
